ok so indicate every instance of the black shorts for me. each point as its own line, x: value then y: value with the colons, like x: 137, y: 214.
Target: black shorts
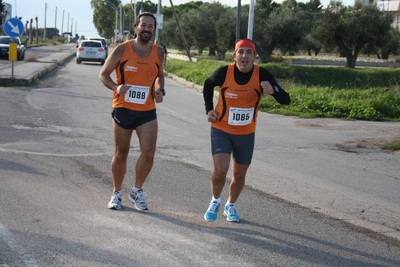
x: 240, y: 146
x: 130, y: 119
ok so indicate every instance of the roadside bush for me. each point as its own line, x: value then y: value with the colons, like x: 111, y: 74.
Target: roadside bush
x: 372, y: 104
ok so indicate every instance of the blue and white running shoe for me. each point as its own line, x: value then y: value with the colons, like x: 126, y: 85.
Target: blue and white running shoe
x: 230, y: 213
x: 211, y: 214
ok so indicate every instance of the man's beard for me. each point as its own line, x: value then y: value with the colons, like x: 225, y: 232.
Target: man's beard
x: 144, y: 38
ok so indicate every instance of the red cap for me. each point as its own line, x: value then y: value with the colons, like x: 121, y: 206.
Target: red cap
x: 245, y: 43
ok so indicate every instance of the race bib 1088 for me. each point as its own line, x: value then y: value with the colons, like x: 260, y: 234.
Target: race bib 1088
x: 137, y: 94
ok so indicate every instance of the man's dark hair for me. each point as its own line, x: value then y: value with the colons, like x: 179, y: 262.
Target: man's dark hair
x: 146, y: 14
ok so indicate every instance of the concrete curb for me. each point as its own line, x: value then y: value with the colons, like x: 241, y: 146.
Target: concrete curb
x: 342, y: 63
x: 180, y: 80
x: 25, y: 73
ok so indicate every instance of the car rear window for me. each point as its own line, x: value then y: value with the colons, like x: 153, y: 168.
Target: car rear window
x: 8, y: 40
x: 91, y: 44
x: 101, y: 40
x: 4, y: 40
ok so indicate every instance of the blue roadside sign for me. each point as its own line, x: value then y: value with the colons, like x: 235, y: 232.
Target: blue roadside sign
x: 13, y: 27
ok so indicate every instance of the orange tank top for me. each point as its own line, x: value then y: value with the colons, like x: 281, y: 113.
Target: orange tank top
x: 237, y: 105
x: 141, y: 74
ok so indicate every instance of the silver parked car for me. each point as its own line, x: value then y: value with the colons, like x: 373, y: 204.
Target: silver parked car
x: 5, y: 45
x: 103, y: 41
x: 90, y: 50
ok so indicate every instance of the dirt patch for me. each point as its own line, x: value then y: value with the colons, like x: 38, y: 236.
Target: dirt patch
x: 362, y: 144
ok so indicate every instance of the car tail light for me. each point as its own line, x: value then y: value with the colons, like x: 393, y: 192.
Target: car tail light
x: 81, y: 48
x: 101, y: 49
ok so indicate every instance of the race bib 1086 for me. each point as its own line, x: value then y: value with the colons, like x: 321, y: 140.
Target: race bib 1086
x: 137, y: 94
x: 240, y: 116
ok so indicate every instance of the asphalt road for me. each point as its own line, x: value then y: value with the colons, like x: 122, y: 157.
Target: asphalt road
x: 314, y: 195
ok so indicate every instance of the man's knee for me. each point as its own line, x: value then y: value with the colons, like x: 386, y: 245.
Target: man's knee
x: 121, y: 154
x: 148, y: 154
x: 220, y: 171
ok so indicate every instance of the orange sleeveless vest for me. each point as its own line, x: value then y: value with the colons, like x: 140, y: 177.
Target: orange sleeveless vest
x: 237, y: 105
x: 141, y: 73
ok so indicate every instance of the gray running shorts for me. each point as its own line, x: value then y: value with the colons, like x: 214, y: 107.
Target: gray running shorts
x: 130, y: 119
x: 240, y: 146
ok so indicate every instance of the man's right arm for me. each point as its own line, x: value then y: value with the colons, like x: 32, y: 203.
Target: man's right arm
x: 109, y: 66
x: 217, y: 78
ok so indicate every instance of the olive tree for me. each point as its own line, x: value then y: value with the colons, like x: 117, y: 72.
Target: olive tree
x: 280, y: 30
x: 311, y: 11
x: 170, y: 34
x: 389, y: 45
x: 311, y: 44
x: 349, y: 29
x: 211, y: 13
x: 226, y: 32
x: 200, y: 30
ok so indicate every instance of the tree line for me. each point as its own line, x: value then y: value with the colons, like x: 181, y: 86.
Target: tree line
x: 288, y: 27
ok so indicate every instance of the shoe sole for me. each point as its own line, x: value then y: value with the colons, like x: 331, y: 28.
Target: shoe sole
x: 114, y: 207
x: 134, y: 203
x: 209, y: 220
x: 230, y: 220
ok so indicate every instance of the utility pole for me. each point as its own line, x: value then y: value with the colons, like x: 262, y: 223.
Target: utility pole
x: 239, y: 7
x: 26, y: 27
x: 134, y: 10
x: 37, y: 30
x: 180, y: 31
x: 55, y: 25
x: 62, y: 25
x: 121, y: 29
x: 251, y: 21
x: 68, y: 25
x: 116, y: 18
x: 158, y: 13
x: 30, y: 32
x: 44, y: 30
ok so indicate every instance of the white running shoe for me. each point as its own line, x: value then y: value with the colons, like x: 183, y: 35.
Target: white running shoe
x: 138, y: 200
x: 116, y: 201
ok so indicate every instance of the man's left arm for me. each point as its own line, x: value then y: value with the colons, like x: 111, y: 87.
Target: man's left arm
x: 160, y: 80
x: 269, y: 84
